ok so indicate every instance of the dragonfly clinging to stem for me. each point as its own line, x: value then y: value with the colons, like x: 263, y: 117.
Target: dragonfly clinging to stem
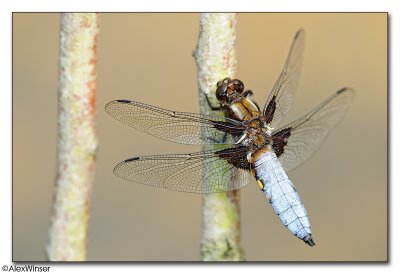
x: 251, y: 142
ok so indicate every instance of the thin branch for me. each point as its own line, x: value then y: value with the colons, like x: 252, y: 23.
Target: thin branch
x: 77, y: 138
x: 216, y: 60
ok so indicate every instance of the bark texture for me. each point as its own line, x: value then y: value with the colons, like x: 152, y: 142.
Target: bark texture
x: 216, y: 60
x: 77, y: 139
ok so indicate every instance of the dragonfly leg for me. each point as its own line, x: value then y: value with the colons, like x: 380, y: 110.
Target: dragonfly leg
x: 211, y: 105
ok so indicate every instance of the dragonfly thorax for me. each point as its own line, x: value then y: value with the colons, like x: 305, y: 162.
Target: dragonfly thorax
x: 256, y: 138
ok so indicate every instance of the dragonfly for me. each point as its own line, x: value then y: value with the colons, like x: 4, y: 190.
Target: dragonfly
x: 247, y: 140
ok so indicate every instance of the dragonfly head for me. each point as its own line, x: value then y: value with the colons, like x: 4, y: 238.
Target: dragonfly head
x: 228, y: 90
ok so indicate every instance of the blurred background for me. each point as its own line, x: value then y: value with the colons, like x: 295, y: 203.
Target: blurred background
x: 148, y: 58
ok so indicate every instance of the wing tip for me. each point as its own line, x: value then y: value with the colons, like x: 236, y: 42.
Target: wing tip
x: 299, y: 32
x: 124, y: 162
x: 130, y: 160
x: 123, y: 101
x: 117, y: 101
x: 119, y: 165
x: 347, y: 92
x: 348, y: 89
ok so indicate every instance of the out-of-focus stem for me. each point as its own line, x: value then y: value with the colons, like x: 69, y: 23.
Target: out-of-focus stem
x: 77, y: 139
x: 216, y: 60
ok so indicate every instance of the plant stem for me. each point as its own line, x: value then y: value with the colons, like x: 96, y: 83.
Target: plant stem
x: 216, y: 60
x: 77, y: 139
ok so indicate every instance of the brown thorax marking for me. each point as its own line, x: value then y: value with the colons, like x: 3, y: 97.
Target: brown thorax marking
x: 235, y: 101
x: 238, y: 104
x: 257, y: 138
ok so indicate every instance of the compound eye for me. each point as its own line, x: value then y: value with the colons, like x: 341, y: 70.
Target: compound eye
x: 221, y: 92
x: 237, y: 85
x: 225, y: 81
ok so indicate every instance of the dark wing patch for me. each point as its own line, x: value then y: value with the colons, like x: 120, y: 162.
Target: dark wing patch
x: 280, y: 140
x: 236, y: 156
x: 270, y: 110
x: 282, y: 95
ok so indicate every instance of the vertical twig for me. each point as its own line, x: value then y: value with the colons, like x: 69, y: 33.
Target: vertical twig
x: 77, y: 139
x: 216, y: 60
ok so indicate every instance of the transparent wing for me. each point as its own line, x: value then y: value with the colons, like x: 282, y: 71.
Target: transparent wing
x: 203, y: 172
x: 282, y: 95
x: 297, y: 141
x: 178, y: 127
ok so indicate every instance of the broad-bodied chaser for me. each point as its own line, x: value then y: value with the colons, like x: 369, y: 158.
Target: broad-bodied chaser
x: 250, y: 141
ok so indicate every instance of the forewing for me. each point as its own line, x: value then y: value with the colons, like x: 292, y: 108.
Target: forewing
x: 297, y: 141
x: 209, y: 171
x: 282, y: 95
x: 178, y: 127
